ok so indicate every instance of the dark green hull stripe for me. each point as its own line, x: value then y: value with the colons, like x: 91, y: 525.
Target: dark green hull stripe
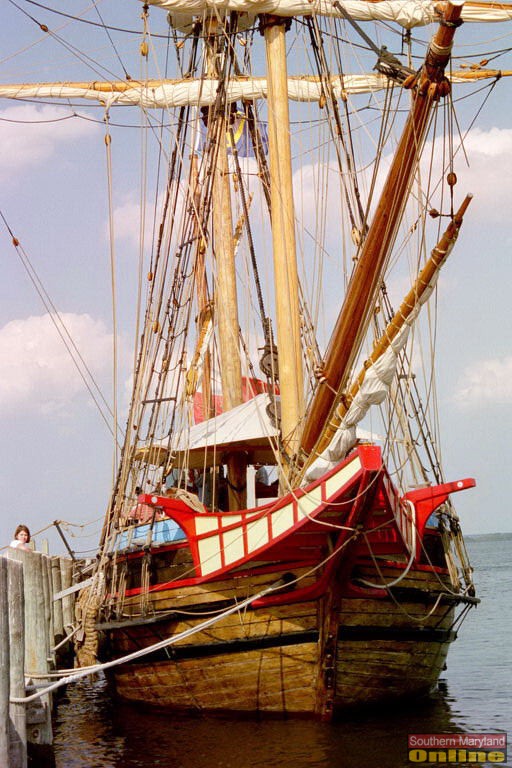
x: 418, y: 635
x: 235, y: 646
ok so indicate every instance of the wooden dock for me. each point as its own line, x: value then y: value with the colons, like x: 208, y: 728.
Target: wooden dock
x: 37, y: 623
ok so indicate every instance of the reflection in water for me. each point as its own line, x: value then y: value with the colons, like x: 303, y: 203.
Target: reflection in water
x: 93, y: 732
x: 84, y: 731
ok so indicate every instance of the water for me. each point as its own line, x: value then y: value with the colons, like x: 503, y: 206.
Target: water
x: 91, y: 731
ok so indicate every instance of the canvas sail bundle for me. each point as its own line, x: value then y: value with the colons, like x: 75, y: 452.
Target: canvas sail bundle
x: 407, y: 13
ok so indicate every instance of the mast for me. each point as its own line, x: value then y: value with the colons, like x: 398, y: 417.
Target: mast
x: 430, y: 84
x: 226, y: 307
x: 283, y: 234
x: 203, y: 304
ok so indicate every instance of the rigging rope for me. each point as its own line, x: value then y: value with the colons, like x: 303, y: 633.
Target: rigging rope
x: 55, y: 316
x: 75, y: 676
x: 113, y: 287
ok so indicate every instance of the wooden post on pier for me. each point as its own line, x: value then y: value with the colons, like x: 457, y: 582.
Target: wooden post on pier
x: 58, y: 623
x: 48, y: 605
x: 68, y: 602
x: 4, y: 668
x: 32, y: 623
x: 39, y: 723
x: 18, y: 724
x: 13, y: 734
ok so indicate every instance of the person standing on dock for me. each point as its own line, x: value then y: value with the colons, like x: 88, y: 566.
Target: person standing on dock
x: 21, y: 538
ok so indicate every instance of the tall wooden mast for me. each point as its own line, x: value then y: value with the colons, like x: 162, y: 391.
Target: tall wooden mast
x: 429, y: 85
x: 283, y: 234
x: 226, y: 307
x: 203, y: 303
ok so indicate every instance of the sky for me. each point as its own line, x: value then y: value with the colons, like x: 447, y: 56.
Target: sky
x: 57, y: 453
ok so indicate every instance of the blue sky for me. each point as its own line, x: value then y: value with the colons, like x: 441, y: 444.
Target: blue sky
x: 57, y: 452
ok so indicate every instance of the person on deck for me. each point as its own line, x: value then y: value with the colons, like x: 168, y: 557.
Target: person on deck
x: 21, y: 538
x: 139, y: 513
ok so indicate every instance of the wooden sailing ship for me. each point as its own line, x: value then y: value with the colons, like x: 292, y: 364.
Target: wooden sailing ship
x: 261, y: 553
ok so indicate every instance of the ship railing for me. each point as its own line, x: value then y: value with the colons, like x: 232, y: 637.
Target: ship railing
x: 405, y: 518
x: 145, y: 534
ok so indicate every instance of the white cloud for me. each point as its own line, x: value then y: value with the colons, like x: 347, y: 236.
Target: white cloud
x: 31, y: 134
x: 127, y: 222
x: 488, y: 175
x: 492, y: 143
x: 483, y: 166
x: 486, y: 382
x: 127, y: 219
x: 38, y: 375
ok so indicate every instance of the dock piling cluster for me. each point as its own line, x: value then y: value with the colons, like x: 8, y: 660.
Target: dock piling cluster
x: 35, y: 639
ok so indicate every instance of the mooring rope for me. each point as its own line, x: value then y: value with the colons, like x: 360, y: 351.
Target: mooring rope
x: 86, y: 671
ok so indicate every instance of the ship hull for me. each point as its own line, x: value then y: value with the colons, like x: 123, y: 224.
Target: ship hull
x: 312, y: 658
x: 333, y: 597
x: 394, y: 648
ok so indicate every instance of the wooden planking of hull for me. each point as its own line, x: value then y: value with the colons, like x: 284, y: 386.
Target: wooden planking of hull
x: 277, y: 680
x: 394, y: 648
x: 273, y: 661
x: 352, y: 610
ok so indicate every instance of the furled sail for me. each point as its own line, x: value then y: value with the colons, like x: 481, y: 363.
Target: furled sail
x: 407, y: 13
x: 166, y: 94
x: 203, y: 92
x: 374, y: 390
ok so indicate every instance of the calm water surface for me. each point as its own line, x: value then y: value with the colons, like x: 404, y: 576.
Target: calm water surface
x: 475, y: 696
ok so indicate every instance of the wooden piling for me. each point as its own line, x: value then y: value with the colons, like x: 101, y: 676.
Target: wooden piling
x: 31, y: 624
x: 18, y: 726
x: 39, y: 724
x: 68, y: 602
x: 58, y: 625
x: 4, y: 667
x: 48, y: 607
